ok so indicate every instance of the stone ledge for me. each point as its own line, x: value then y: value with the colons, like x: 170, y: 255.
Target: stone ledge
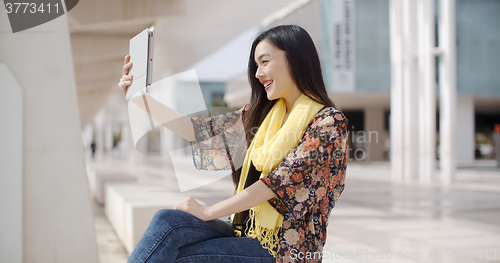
x: 130, y: 208
x: 103, y: 178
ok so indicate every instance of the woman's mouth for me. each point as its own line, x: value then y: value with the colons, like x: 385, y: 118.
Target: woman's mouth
x: 267, y: 84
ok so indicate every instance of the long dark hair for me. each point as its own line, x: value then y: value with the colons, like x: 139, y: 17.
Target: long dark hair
x: 304, y: 67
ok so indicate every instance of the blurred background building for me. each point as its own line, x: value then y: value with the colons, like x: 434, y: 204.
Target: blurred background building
x: 418, y: 81
x: 218, y: 53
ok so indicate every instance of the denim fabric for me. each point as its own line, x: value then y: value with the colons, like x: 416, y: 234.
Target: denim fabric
x: 177, y: 236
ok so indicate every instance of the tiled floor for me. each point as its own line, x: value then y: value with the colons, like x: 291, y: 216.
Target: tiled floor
x: 375, y: 220
x: 417, y: 223
x: 109, y: 246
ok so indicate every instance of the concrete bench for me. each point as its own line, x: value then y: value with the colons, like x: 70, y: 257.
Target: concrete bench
x: 98, y: 179
x: 103, y: 178
x: 130, y: 208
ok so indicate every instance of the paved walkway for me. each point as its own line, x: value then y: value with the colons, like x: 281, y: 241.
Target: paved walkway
x: 375, y: 220
x: 417, y: 223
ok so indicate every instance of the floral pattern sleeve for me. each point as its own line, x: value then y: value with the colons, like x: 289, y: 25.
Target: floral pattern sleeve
x: 218, y: 138
x: 308, y: 183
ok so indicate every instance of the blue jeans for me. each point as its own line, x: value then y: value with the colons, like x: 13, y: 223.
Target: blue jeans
x: 177, y: 236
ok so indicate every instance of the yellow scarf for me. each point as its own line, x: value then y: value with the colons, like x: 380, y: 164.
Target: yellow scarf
x: 268, y: 148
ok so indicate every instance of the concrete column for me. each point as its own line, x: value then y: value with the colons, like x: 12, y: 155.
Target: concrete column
x: 87, y: 137
x: 465, y: 143
x: 99, y: 134
x: 108, y: 137
x: 410, y: 92
x: 11, y: 168
x: 375, y: 134
x: 427, y: 90
x: 57, y: 223
x: 448, y: 90
x: 134, y: 157
x: 326, y: 45
x: 168, y: 138
x: 396, y: 119
x: 125, y: 136
x: 163, y: 141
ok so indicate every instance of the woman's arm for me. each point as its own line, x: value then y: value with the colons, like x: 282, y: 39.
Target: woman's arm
x: 253, y: 195
x: 173, y: 120
x: 168, y: 117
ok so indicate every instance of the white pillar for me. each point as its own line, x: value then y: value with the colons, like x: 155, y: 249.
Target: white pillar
x: 396, y: 118
x: 410, y: 92
x: 11, y: 168
x: 465, y: 145
x: 125, y: 134
x: 448, y: 89
x: 108, y: 137
x: 163, y: 142
x: 87, y: 135
x: 99, y: 134
x: 57, y: 216
x: 427, y: 90
x: 134, y: 157
x: 375, y: 134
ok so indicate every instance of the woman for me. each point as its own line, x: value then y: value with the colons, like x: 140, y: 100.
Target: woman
x: 292, y: 175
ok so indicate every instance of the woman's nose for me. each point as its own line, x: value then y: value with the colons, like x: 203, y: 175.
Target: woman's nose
x: 259, y: 73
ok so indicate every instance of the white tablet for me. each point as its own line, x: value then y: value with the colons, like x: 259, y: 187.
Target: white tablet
x: 141, y: 56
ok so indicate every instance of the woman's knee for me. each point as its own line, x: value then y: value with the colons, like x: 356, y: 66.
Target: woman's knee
x: 178, y: 220
x: 172, y: 216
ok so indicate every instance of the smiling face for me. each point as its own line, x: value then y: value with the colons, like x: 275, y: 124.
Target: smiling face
x: 273, y: 72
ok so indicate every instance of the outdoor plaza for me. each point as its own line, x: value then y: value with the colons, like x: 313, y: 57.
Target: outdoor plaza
x: 375, y: 220
x: 417, y: 80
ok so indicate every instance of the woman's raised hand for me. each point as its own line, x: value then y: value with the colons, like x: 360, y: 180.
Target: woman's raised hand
x: 182, y: 125
x: 126, y: 79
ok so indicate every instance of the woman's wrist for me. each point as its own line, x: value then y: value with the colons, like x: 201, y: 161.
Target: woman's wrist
x: 209, y: 214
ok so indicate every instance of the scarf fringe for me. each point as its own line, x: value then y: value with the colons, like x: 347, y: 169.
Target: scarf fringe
x: 268, y: 238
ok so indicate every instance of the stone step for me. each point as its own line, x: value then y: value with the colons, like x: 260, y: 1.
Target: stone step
x: 130, y: 208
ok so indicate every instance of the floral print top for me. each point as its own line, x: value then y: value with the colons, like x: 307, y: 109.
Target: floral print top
x: 307, y: 183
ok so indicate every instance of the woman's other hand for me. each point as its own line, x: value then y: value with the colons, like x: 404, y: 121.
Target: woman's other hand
x: 190, y: 205
x: 255, y: 194
x: 126, y: 79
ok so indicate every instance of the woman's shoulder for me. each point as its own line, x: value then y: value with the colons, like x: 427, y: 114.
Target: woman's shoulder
x: 329, y: 110
x: 329, y: 115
